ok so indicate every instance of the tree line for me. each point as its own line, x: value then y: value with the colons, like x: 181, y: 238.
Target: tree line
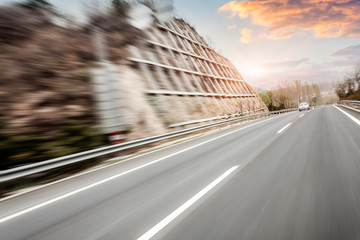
x: 349, y: 89
x: 290, y: 93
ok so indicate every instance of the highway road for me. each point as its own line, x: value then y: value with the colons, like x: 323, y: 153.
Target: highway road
x: 292, y: 176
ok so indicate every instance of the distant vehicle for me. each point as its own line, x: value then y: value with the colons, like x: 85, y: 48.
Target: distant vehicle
x: 304, y: 106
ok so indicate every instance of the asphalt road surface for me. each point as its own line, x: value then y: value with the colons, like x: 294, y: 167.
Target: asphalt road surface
x: 292, y: 176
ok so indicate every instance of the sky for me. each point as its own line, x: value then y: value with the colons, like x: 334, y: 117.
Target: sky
x: 271, y: 41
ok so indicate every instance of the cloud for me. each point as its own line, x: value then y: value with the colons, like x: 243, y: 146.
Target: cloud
x: 286, y: 18
x: 286, y: 63
x: 246, y: 35
x: 231, y: 27
x: 347, y: 56
x: 350, y: 51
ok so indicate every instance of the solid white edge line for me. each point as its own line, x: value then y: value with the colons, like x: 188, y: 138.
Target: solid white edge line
x: 352, y: 109
x: 301, y: 115
x: 37, y: 206
x: 284, y: 128
x: 349, y: 115
x: 154, y: 230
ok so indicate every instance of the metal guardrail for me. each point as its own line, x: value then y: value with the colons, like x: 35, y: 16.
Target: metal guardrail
x: 26, y: 170
x: 350, y: 104
x: 181, y: 124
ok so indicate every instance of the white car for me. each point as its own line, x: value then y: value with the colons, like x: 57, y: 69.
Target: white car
x: 304, y: 106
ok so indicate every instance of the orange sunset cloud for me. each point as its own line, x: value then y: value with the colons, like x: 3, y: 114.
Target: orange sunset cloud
x: 246, y: 35
x: 286, y: 18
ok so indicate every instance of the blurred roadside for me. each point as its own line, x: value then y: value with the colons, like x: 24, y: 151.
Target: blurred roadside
x: 47, y: 106
x: 129, y: 72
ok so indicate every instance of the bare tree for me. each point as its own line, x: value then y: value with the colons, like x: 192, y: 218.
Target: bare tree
x: 350, y: 85
x: 340, y: 89
x: 356, y: 76
x: 298, y: 87
x: 316, y: 93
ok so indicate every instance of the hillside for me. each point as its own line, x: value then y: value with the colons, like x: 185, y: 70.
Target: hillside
x: 167, y: 76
